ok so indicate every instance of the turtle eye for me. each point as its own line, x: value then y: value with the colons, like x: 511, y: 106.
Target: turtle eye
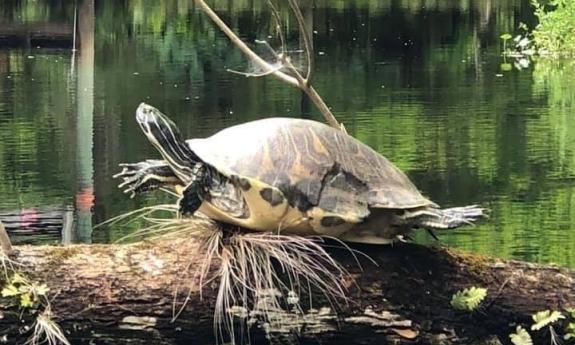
x: 144, y: 113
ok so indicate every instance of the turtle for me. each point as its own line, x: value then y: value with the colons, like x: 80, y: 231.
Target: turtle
x: 290, y: 176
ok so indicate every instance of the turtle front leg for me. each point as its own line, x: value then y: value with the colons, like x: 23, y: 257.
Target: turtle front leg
x: 196, y: 191
x: 146, y: 176
x: 191, y: 200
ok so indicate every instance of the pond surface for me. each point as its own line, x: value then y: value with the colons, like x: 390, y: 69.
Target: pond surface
x: 422, y: 82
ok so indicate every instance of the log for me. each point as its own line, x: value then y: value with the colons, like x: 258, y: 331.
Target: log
x: 116, y: 294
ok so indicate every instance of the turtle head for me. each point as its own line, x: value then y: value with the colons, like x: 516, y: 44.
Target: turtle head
x: 156, y: 126
x: 166, y: 138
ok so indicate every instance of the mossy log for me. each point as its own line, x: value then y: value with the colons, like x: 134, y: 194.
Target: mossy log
x: 115, y: 294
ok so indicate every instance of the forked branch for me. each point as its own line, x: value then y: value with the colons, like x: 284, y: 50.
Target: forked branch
x: 294, y: 77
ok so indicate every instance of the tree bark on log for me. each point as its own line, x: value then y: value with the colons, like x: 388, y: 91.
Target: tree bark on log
x: 116, y: 294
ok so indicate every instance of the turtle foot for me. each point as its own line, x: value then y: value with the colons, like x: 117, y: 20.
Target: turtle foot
x: 145, y: 176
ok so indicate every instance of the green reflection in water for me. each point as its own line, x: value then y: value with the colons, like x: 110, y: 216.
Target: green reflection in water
x: 417, y: 80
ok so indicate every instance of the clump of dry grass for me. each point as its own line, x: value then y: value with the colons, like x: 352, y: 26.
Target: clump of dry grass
x: 260, y: 274
x: 44, y: 329
x: 47, y: 331
x: 269, y: 272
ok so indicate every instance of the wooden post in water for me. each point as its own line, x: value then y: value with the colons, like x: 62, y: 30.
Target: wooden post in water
x: 85, y: 122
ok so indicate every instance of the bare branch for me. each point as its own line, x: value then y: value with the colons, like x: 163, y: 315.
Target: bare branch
x: 243, y: 47
x: 297, y: 79
x: 279, y: 30
x: 255, y: 75
x: 269, y: 47
x: 306, y: 38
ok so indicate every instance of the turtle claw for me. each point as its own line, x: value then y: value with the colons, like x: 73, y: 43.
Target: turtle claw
x: 129, y: 169
x: 144, y: 176
x: 128, y: 180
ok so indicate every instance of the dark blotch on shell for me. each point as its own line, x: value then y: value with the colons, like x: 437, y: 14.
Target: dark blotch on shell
x: 272, y: 196
x: 332, y: 221
x: 242, y: 182
x: 296, y: 196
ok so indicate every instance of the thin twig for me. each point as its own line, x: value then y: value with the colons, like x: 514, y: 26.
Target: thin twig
x: 270, y: 49
x: 243, y: 47
x: 279, y: 30
x: 297, y: 80
x: 497, y: 294
x: 306, y: 38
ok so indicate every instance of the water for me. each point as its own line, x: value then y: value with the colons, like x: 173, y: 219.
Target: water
x: 422, y: 82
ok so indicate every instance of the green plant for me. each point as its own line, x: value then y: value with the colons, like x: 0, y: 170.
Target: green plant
x: 468, y: 299
x: 545, y: 318
x: 521, y: 337
x: 570, y: 331
x: 32, y: 297
x: 29, y: 293
x: 541, y: 319
x: 555, y: 33
x: 505, y: 37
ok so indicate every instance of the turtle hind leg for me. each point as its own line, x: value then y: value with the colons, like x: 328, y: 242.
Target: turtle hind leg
x: 449, y: 218
x: 466, y: 215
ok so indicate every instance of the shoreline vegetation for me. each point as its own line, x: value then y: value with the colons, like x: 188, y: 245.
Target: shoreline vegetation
x: 552, y: 38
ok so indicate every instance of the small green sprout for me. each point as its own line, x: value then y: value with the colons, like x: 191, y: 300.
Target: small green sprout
x: 521, y: 337
x: 468, y: 299
x: 505, y: 37
x: 10, y: 291
x: 544, y: 318
x: 29, y: 293
x: 570, y: 331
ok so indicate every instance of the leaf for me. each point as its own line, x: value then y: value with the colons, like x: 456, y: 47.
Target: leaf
x: 17, y: 279
x: 468, y: 299
x: 571, y: 312
x: 506, y: 67
x: 26, y: 301
x: 10, y: 291
x: 570, y: 332
x: 23, y: 289
x: 521, y: 337
x: 544, y: 318
x: 506, y: 37
x: 41, y: 290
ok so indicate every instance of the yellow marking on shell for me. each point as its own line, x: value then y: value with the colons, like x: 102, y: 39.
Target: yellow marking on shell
x: 316, y: 215
x: 297, y: 168
x: 262, y: 216
x: 317, y: 143
x: 267, y: 162
x: 296, y: 222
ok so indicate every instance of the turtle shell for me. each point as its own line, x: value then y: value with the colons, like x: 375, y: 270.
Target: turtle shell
x: 310, y: 163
